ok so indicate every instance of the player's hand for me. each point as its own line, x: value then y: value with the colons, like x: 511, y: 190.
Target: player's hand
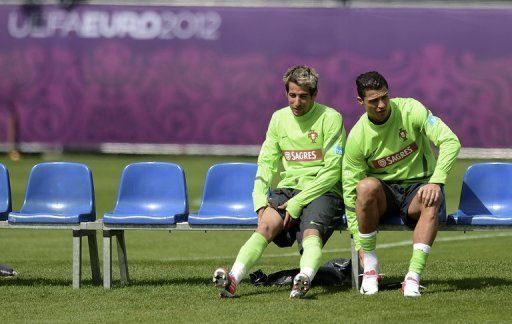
x: 289, y: 221
x: 260, y: 213
x: 429, y: 194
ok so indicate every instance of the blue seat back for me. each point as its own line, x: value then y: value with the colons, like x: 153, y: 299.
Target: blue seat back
x: 487, y: 189
x: 228, y: 190
x: 59, y: 188
x: 5, y: 193
x: 152, y: 188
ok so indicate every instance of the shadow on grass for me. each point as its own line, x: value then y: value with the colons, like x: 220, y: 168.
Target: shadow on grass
x: 206, y: 282
x: 167, y: 282
x: 390, y: 283
x: 28, y: 282
x: 449, y: 285
x: 311, y: 295
x: 325, y: 290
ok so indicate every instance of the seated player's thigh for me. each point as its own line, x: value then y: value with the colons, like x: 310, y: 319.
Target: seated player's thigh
x: 270, y: 224
x: 321, y: 215
x: 370, y: 191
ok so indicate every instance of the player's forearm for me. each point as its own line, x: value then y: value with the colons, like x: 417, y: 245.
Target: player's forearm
x: 353, y: 172
x: 263, y: 181
x: 448, y: 150
x: 326, y: 179
x: 349, y: 197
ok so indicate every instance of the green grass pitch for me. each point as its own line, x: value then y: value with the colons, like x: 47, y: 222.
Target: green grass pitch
x: 468, y: 276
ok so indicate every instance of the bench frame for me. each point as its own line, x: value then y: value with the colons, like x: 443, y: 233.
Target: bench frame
x: 117, y: 231
x: 79, y: 230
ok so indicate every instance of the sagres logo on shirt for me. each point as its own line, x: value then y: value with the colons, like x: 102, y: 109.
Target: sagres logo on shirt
x: 303, y: 155
x: 395, y: 157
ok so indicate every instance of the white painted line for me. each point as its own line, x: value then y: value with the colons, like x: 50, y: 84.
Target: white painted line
x: 379, y: 247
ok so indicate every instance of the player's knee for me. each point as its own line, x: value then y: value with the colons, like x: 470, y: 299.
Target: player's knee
x: 367, y: 190
x: 267, y: 230
x: 311, y: 232
x: 430, y: 212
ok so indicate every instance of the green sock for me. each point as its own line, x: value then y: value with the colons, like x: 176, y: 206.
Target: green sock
x: 311, y: 256
x: 368, y: 244
x: 418, y: 261
x: 368, y: 241
x: 248, y: 255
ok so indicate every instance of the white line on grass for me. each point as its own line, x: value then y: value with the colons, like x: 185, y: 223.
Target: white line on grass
x: 379, y: 246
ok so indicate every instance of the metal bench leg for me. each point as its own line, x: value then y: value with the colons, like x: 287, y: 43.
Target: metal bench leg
x: 355, y: 265
x: 77, y: 259
x: 93, y: 256
x: 122, y: 257
x: 107, y: 259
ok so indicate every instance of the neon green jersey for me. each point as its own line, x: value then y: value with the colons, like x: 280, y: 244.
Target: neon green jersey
x: 397, y: 151
x: 310, y: 148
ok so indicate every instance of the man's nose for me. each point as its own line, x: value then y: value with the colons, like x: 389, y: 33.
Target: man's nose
x: 381, y: 104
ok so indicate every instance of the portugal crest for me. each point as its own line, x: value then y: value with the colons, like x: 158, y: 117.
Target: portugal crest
x: 312, y: 135
x: 402, y: 133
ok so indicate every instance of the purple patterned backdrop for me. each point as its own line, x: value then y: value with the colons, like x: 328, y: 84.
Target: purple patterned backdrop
x: 213, y: 75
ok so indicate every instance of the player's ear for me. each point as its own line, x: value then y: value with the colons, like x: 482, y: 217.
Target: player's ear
x: 360, y: 100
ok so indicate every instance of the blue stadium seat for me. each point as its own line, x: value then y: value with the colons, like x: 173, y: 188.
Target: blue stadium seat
x: 227, y: 196
x: 5, y: 193
x: 60, y: 195
x: 486, y: 197
x: 57, y: 193
x: 150, y: 193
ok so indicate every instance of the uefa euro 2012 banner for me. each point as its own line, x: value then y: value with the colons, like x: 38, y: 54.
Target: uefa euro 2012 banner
x: 212, y: 75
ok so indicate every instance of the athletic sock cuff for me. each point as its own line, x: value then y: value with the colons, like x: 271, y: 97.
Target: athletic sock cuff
x: 367, y: 235
x: 258, y: 237
x: 368, y: 241
x: 312, y: 240
x: 421, y: 246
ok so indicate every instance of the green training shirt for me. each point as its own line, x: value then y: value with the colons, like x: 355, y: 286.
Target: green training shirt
x: 310, y: 148
x: 397, y: 151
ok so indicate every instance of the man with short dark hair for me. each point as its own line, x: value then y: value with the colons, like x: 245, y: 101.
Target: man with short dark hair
x: 308, y: 138
x: 389, y: 168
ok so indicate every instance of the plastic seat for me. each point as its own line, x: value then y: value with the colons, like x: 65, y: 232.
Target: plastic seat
x: 227, y: 196
x: 151, y: 193
x: 5, y: 193
x: 57, y: 192
x: 486, y: 196
x: 60, y: 195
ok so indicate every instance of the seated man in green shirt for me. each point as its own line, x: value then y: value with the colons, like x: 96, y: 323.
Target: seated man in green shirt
x: 389, y: 169
x: 308, y: 138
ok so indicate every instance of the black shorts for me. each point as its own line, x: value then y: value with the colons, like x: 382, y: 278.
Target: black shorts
x: 323, y: 214
x: 399, y: 198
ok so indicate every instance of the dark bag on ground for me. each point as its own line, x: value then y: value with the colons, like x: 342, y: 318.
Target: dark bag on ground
x: 7, y: 271
x: 334, y: 273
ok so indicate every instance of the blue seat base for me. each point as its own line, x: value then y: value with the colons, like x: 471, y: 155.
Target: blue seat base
x: 196, y: 219
x: 138, y: 219
x: 484, y: 220
x: 16, y: 218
